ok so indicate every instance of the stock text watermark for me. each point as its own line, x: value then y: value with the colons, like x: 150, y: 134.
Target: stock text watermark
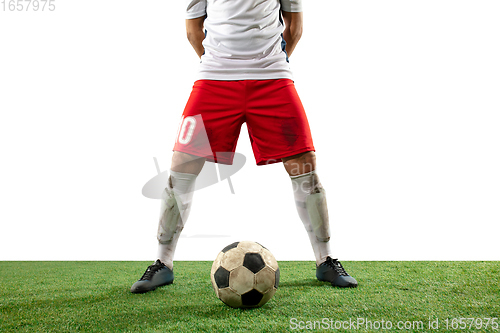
x: 27, y: 5
x: 459, y: 324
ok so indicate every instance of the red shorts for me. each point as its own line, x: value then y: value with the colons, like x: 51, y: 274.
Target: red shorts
x: 276, y: 120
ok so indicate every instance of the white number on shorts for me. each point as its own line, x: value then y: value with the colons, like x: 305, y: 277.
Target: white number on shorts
x: 186, y: 130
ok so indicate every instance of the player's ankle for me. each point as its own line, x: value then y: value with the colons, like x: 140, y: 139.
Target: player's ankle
x: 167, y: 263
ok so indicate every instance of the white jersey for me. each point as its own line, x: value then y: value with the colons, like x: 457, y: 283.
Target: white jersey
x: 243, y: 38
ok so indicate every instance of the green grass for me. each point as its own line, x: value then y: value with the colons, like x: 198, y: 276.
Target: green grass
x: 94, y: 296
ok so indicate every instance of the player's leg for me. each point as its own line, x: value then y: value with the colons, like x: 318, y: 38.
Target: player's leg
x: 305, y: 183
x: 174, y: 211
x: 310, y: 200
x: 279, y: 130
x: 176, y: 203
x: 202, y: 134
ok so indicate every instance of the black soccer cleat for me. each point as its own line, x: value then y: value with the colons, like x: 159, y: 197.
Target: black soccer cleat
x: 331, y: 270
x: 156, y: 275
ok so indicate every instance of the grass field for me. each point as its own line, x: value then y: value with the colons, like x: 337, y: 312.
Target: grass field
x: 95, y: 297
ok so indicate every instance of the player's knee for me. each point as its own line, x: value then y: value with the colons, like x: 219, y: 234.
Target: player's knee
x: 187, y: 163
x: 301, y: 163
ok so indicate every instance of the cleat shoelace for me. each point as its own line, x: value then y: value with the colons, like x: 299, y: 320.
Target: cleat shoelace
x: 336, y: 265
x: 152, y: 269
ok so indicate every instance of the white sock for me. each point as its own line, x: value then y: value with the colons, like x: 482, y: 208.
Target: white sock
x: 302, y: 187
x: 183, y: 187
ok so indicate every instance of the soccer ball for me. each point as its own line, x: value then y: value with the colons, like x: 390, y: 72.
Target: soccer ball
x: 245, y: 274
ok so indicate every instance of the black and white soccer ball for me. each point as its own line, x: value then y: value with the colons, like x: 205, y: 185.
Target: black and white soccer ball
x: 245, y: 274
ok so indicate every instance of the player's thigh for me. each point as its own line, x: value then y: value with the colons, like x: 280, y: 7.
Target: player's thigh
x: 277, y: 121
x: 212, y: 119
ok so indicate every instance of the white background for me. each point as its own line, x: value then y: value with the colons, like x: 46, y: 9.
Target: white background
x: 403, y: 98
